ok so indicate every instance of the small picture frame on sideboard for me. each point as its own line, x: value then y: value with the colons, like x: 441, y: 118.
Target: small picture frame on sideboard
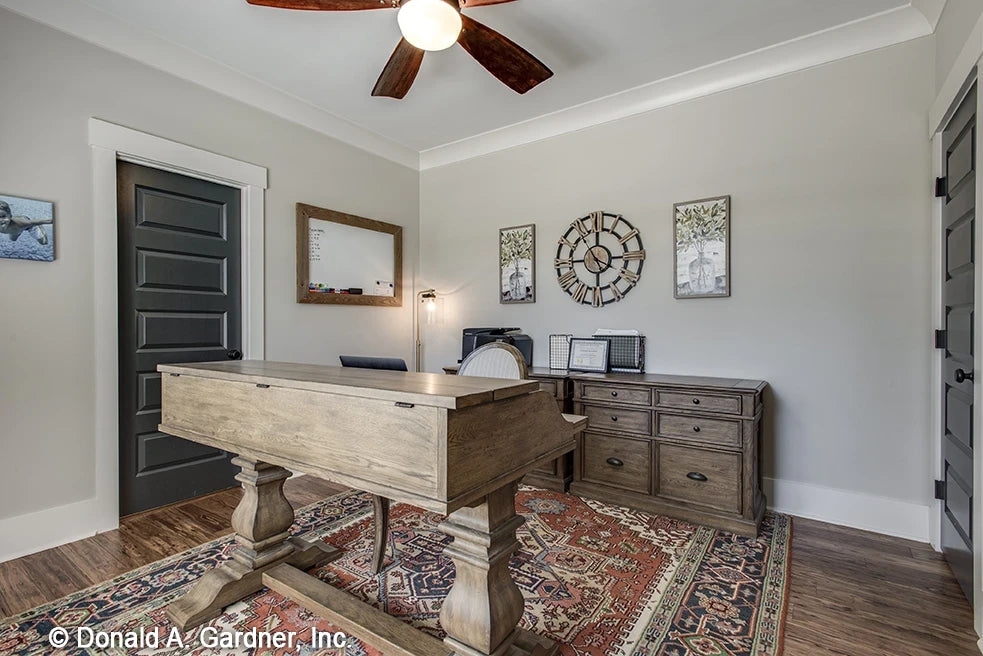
x: 589, y: 355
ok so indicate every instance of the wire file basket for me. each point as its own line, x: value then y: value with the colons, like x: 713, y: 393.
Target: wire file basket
x: 626, y: 353
x: 559, y: 351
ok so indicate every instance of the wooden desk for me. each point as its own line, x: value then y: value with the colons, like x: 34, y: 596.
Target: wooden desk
x: 451, y: 445
x: 557, y: 474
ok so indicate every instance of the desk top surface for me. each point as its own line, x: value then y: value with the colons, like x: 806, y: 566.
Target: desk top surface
x: 452, y: 392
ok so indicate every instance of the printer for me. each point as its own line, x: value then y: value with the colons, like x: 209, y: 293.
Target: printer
x: 477, y: 337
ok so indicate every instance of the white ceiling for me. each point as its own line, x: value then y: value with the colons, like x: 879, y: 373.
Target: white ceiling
x: 597, y: 48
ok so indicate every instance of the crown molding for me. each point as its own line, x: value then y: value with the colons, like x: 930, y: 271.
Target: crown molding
x: 931, y: 10
x: 99, y: 28
x: 888, y: 28
x: 918, y: 18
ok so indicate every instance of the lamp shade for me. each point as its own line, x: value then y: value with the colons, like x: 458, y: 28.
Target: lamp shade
x: 429, y: 24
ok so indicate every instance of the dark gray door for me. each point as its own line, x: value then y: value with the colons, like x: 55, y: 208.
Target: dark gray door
x: 959, y: 264
x: 179, y: 301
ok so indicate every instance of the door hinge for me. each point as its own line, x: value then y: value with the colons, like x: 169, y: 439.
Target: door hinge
x: 941, y: 187
x: 941, y: 339
x: 940, y: 490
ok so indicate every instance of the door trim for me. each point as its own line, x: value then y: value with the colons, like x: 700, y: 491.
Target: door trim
x: 938, y: 323
x: 111, y: 143
x: 937, y: 320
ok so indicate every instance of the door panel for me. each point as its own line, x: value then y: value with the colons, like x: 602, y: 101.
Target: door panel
x: 959, y: 418
x: 187, y: 330
x: 180, y: 213
x: 959, y: 272
x: 180, y: 272
x: 179, y: 301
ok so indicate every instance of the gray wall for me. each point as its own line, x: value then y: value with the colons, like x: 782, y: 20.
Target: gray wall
x: 957, y: 21
x: 52, y: 84
x: 829, y: 170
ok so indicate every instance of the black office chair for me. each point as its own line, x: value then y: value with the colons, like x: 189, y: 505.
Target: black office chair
x: 363, y: 362
x: 380, y: 505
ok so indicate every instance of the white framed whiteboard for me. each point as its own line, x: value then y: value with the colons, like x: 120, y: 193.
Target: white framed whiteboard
x: 347, y: 260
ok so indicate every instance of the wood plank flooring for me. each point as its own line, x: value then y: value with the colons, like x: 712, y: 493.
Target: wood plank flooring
x: 853, y: 593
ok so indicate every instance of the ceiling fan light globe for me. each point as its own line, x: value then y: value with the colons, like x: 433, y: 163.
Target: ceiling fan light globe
x: 429, y: 24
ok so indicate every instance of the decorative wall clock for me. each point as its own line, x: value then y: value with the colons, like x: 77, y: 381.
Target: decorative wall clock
x: 599, y: 259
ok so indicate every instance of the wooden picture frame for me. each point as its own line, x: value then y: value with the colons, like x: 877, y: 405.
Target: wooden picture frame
x: 516, y: 235
x: 717, y: 286
x: 304, y: 294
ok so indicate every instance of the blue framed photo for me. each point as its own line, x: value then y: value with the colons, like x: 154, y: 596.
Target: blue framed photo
x: 27, y: 229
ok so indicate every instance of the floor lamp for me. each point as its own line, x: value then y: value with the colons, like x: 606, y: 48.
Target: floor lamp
x: 427, y: 305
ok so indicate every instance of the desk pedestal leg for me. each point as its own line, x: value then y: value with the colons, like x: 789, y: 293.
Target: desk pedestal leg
x: 482, y: 610
x: 262, y: 524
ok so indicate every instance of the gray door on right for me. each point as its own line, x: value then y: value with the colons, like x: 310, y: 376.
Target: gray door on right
x: 958, y: 275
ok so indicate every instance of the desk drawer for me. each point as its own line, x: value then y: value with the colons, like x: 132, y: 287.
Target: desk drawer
x: 702, y: 402
x: 619, y: 419
x: 618, y: 461
x: 700, y: 429
x: 707, y: 478
x: 609, y: 394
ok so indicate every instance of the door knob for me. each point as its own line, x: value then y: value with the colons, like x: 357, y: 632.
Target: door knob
x: 234, y: 354
x: 961, y: 375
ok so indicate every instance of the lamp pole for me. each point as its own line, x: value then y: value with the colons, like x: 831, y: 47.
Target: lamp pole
x: 425, y: 296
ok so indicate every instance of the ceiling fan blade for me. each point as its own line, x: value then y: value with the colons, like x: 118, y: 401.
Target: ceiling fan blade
x: 467, y: 4
x: 398, y: 75
x: 325, y: 5
x: 511, y: 64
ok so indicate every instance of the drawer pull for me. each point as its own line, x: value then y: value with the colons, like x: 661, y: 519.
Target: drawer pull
x: 696, y: 402
x: 614, y: 462
x: 614, y: 417
x: 696, y: 429
x: 614, y: 394
x: 696, y: 476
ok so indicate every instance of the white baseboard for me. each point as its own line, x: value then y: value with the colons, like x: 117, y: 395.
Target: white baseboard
x: 894, y: 517
x: 45, y: 529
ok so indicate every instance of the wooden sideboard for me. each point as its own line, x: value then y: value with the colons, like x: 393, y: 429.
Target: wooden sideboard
x: 558, y: 474
x: 683, y: 446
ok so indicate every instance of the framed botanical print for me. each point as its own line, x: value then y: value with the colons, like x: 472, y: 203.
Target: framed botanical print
x: 701, y: 236
x: 517, y: 264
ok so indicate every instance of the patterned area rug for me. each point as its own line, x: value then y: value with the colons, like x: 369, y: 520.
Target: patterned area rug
x: 599, y: 579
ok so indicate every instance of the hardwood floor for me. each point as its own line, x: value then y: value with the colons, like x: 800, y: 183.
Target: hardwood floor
x: 852, y: 593
x: 141, y: 539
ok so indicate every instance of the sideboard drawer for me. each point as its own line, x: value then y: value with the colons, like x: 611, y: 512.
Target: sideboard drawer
x: 703, y: 402
x: 619, y: 461
x: 607, y: 393
x: 618, y: 419
x: 707, y: 478
x: 700, y: 429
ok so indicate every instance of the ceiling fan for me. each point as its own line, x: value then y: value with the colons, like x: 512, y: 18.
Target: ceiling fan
x: 437, y: 25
